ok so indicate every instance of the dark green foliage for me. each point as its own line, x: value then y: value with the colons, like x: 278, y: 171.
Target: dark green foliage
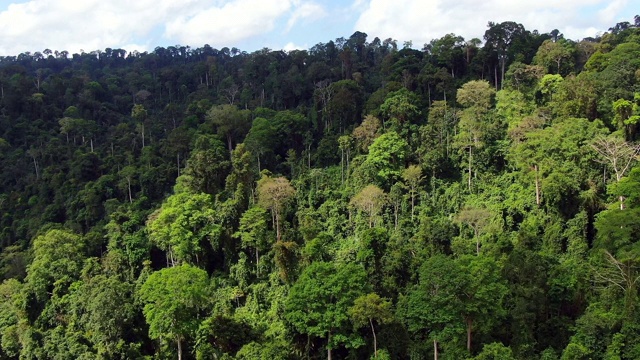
x: 351, y: 199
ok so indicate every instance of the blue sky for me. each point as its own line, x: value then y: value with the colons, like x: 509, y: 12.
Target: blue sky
x: 74, y: 25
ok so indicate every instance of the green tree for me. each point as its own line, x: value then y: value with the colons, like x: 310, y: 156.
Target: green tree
x: 253, y: 231
x: 495, y: 351
x: 139, y: 114
x: 183, y: 224
x: 369, y: 308
x: 57, y: 261
x: 318, y: 303
x: 230, y: 122
x: 432, y: 308
x: 400, y: 107
x: 476, y: 97
x: 412, y: 177
x: 555, y: 56
x: 482, y: 294
x: 387, y: 158
x: 173, y: 298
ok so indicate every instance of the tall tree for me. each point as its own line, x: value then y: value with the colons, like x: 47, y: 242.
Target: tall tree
x: 370, y: 200
x: 499, y: 38
x: 618, y: 154
x: 172, y: 299
x: 273, y: 194
x: 230, y: 122
x: 318, y: 303
x: 369, y: 308
x: 476, y: 97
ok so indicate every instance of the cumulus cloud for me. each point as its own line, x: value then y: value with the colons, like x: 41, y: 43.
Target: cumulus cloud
x: 421, y: 21
x: 308, y: 10
x: 72, y: 25
x: 229, y: 23
x: 89, y: 24
x: 290, y: 46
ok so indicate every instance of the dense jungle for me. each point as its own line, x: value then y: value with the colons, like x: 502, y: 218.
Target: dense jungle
x: 362, y: 199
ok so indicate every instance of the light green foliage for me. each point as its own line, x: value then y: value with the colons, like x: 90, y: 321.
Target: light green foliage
x: 476, y: 97
x: 512, y: 106
x: 549, y: 85
x: 495, y: 351
x: 552, y: 157
x: 57, y: 261
x: 139, y: 113
x: 368, y: 309
x: 556, y: 56
x: 454, y: 294
x: 431, y: 309
x: 318, y: 303
x: 400, y: 107
x: 10, y: 314
x: 103, y: 307
x: 172, y: 299
x: 483, y: 293
x: 386, y: 158
x: 253, y: 231
x: 183, y: 225
x: 412, y: 177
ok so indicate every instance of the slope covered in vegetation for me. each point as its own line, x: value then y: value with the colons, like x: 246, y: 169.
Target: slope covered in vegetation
x: 473, y: 199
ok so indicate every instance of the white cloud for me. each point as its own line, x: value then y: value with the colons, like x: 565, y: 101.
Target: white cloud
x: 291, y: 46
x: 609, y: 13
x: 421, y: 21
x: 89, y: 24
x: 307, y: 10
x: 232, y: 22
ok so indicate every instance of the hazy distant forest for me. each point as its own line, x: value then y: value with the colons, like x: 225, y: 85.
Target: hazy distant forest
x: 475, y: 199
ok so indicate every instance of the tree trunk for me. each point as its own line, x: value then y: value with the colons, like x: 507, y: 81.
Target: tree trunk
x: 230, y: 145
x: 413, y: 198
x: 535, y: 168
x: 35, y: 165
x: 179, y: 349
x: 342, y: 166
x: 504, y: 60
x: 469, y: 184
x: 469, y: 324
x: 435, y: 349
x: 375, y: 340
x: 329, y: 346
x: 129, y: 187
x: 277, y: 217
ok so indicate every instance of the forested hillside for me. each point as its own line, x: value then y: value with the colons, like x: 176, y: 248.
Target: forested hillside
x: 475, y: 199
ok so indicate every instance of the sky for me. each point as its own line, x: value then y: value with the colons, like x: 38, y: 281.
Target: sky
x: 250, y: 25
